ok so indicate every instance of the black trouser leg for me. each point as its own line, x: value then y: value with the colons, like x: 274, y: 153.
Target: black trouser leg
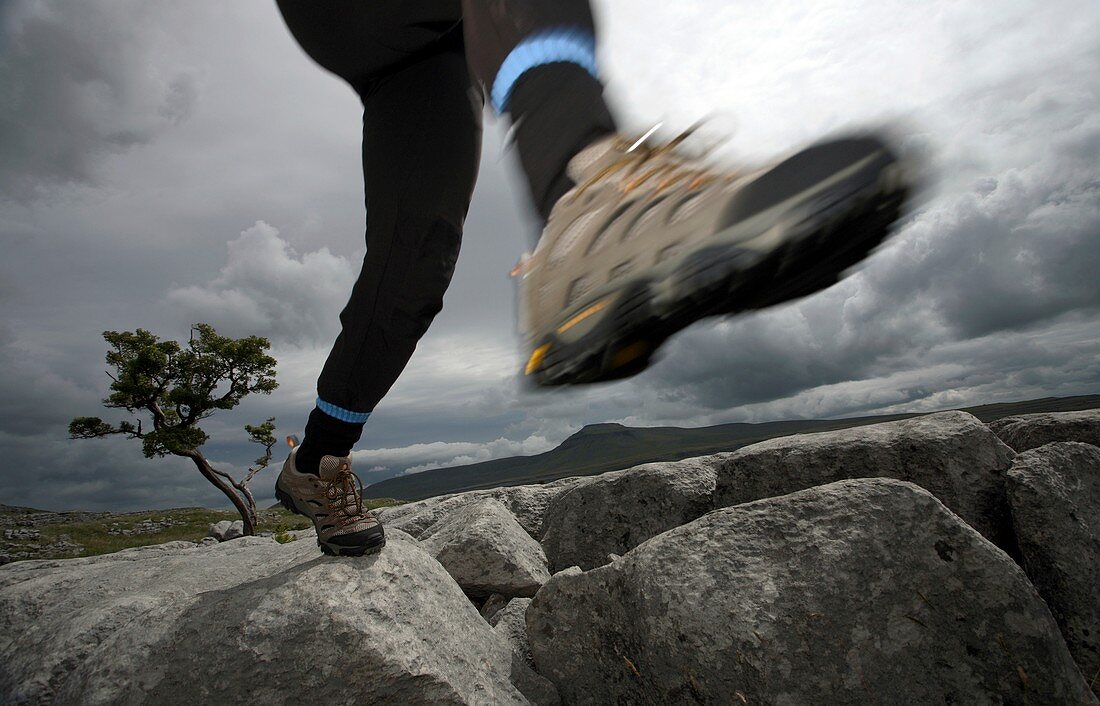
x: 411, y: 64
x: 421, y: 145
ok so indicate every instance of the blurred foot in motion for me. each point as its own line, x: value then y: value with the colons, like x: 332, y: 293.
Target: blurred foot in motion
x: 651, y: 239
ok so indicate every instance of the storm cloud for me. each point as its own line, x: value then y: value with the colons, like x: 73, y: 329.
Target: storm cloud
x: 72, y: 98
x: 165, y: 163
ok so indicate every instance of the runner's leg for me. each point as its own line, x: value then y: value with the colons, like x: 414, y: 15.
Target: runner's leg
x: 421, y: 145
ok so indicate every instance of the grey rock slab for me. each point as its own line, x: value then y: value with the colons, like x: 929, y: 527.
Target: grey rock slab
x: 616, y: 511
x: 308, y: 533
x: 509, y: 623
x: 226, y: 530
x: 252, y: 622
x: 536, y: 688
x: 416, y: 517
x: 527, y: 502
x: 951, y: 454
x: 486, y: 551
x: 492, y: 604
x: 1054, y: 496
x: 856, y: 592
x: 1029, y: 431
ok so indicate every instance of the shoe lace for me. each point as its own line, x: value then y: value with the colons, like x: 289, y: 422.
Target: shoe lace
x: 345, y: 495
x: 662, y: 160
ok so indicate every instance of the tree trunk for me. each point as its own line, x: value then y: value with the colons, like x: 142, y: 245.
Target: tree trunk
x: 245, y: 504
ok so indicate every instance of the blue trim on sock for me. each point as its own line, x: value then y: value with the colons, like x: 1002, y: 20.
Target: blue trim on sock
x: 576, y: 45
x: 344, y: 415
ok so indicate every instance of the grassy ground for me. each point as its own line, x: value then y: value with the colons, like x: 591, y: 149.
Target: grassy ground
x: 187, y: 524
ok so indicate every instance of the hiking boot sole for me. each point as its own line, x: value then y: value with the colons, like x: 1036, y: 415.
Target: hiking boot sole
x: 287, y: 501
x: 795, y: 248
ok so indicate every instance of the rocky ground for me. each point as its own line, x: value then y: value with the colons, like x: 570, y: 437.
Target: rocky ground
x: 38, y: 534
x: 22, y: 533
x: 924, y: 561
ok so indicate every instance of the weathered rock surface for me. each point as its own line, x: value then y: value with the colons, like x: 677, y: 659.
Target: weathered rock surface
x: 492, y: 604
x: 950, y: 454
x: 486, y: 551
x: 1029, y: 431
x: 509, y: 624
x: 860, y: 591
x: 527, y: 502
x: 1054, y: 495
x: 226, y: 530
x: 416, y: 517
x: 616, y: 511
x: 253, y: 622
x: 814, y: 588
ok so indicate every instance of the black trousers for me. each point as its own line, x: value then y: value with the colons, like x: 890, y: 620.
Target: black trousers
x: 424, y: 70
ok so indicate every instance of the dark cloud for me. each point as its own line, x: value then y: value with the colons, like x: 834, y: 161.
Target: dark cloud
x: 165, y: 163
x: 80, y: 81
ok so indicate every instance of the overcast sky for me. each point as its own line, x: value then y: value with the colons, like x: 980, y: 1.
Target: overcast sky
x: 163, y: 163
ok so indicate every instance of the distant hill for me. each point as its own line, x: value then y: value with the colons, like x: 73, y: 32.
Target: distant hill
x: 598, y: 448
x: 17, y: 510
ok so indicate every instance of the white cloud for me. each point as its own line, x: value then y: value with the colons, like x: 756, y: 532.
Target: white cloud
x: 439, y: 454
x: 266, y: 289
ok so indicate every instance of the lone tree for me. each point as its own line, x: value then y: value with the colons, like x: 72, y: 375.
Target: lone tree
x: 180, y: 387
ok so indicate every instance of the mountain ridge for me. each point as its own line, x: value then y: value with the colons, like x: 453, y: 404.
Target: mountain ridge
x: 608, y: 446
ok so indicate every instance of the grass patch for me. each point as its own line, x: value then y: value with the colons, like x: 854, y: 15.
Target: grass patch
x: 189, y: 524
x: 104, y: 535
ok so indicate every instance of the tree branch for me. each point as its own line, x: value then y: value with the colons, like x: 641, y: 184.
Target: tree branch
x: 96, y: 428
x: 262, y: 465
x: 225, y: 475
x: 159, y: 420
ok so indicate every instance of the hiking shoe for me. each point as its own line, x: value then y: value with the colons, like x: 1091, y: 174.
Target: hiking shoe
x: 334, y: 501
x: 651, y: 240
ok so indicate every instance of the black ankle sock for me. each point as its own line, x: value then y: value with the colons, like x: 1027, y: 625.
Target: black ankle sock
x: 325, y: 436
x: 557, y: 110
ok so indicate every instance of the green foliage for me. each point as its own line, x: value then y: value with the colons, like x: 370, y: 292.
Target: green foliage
x: 264, y: 435
x: 176, y: 440
x: 180, y: 385
x: 88, y: 428
x: 284, y: 537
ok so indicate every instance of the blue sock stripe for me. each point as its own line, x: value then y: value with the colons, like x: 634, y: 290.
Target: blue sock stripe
x: 344, y: 415
x: 572, y: 44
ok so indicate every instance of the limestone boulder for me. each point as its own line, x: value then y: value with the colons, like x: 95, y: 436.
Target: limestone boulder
x: 510, y: 624
x: 1054, y: 496
x: 226, y: 530
x: 416, y: 517
x: 527, y: 503
x: 250, y: 622
x: 1029, y: 431
x: 486, y: 551
x: 616, y: 511
x: 951, y: 454
x: 859, y: 591
x: 493, y: 604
